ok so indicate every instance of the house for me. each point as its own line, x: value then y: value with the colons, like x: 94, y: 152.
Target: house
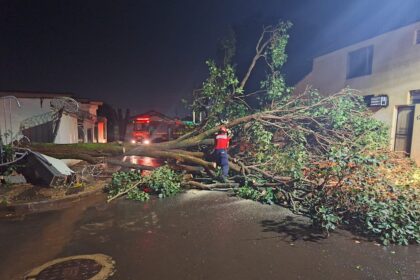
x: 50, y: 118
x: 92, y: 128
x: 386, y: 71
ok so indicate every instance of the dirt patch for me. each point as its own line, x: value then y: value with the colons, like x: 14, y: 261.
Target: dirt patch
x: 28, y: 193
x: 89, y: 178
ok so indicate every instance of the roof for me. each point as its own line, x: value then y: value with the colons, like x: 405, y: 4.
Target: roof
x: 152, y: 113
x: 44, y: 94
x: 408, y: 26
x: 34, y: 94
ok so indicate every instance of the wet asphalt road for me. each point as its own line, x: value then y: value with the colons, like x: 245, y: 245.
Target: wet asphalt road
x: 197, y: 235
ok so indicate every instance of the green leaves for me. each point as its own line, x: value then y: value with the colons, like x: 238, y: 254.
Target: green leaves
x: 275, y: 56
x: 394, y: 221
x: 329, y: 146
x: 136, y: 194
x: 219, y: 95
x: 277, y: 49
x: 327, y: 218
x: 263, y: 195
x: 162, y: 182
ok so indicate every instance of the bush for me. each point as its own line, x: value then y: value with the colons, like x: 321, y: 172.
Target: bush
x: 394, y: 221
x: 370, y: 203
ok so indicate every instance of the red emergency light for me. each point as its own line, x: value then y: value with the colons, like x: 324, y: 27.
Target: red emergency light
x: 143, y: 120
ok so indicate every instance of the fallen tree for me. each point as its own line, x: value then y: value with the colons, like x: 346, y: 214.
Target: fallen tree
x: 89, y: 152
x: 320, y: 155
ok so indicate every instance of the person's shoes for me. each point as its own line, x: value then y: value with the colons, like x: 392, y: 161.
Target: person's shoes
x: 223, y: 179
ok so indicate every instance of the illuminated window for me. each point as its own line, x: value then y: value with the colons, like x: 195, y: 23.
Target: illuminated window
x: 359, y: 62
x: 415, y: 96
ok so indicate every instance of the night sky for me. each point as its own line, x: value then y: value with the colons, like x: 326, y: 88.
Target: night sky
x: 150, y: 54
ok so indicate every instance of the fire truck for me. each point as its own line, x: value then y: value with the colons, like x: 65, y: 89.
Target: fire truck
x: 153, y: 127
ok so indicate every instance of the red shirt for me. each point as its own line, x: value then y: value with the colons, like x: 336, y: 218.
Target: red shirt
x: 222, y: 141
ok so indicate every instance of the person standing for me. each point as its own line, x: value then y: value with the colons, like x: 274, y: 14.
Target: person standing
x: 221, y: 145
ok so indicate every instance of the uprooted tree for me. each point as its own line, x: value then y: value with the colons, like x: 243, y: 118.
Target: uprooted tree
x: 321, y: 156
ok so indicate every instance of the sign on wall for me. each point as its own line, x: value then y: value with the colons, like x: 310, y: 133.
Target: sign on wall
x: 377, y: 101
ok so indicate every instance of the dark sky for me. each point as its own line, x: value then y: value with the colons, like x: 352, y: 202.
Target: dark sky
x: 150, y: 54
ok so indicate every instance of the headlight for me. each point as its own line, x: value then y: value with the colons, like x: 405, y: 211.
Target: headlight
x: 146, y: 141
x: 133, y: 141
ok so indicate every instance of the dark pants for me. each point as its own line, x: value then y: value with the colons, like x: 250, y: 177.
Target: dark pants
x: 222, y: 160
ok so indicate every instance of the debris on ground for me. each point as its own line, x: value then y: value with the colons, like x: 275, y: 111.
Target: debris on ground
x: 37, y: 177
x: 44, y: 170
x: 13, y: 179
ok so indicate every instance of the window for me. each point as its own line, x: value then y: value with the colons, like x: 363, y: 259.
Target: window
x: 141, y: 126
x: 359, y: 62
x: 415, y: 96
x: 417, y: 37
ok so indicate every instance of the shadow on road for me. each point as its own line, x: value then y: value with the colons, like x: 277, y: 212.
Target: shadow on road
x: 291, y: 229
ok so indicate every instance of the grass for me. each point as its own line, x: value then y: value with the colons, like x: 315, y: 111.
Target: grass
x: 87, y: 148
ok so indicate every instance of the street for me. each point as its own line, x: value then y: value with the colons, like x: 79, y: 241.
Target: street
x: 197, y: 235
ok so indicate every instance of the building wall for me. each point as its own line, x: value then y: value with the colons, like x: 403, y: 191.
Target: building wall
x: 30, y: 107
x: 395, y: 72
x: 67, y: 132
x: 91, y: 108
x: 89, y: 124
x: 89, y: 131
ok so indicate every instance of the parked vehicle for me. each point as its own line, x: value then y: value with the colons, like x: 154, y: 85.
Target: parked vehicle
x: 153, y: 127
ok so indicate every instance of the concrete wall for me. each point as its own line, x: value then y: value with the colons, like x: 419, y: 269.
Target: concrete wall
x: 30, y: 107
x: 67, y: 132
x: 395, y: 72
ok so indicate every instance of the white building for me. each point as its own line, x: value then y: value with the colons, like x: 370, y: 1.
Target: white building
x: 386, y: 69
x: 40, y: 118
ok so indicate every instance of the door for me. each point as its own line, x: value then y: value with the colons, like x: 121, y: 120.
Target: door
x: 404, y: 129
x: 90, y: 135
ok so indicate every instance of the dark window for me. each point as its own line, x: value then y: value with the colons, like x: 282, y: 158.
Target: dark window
x: 359, y: 62
x: 415, y: 96
x: 417, y: 37
x: 141, y: 126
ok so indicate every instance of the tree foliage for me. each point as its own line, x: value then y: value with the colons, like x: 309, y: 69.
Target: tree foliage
x: 162, y: 182
x: 322, y: 156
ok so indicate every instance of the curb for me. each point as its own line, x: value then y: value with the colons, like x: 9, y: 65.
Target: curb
x: 47, y: 205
